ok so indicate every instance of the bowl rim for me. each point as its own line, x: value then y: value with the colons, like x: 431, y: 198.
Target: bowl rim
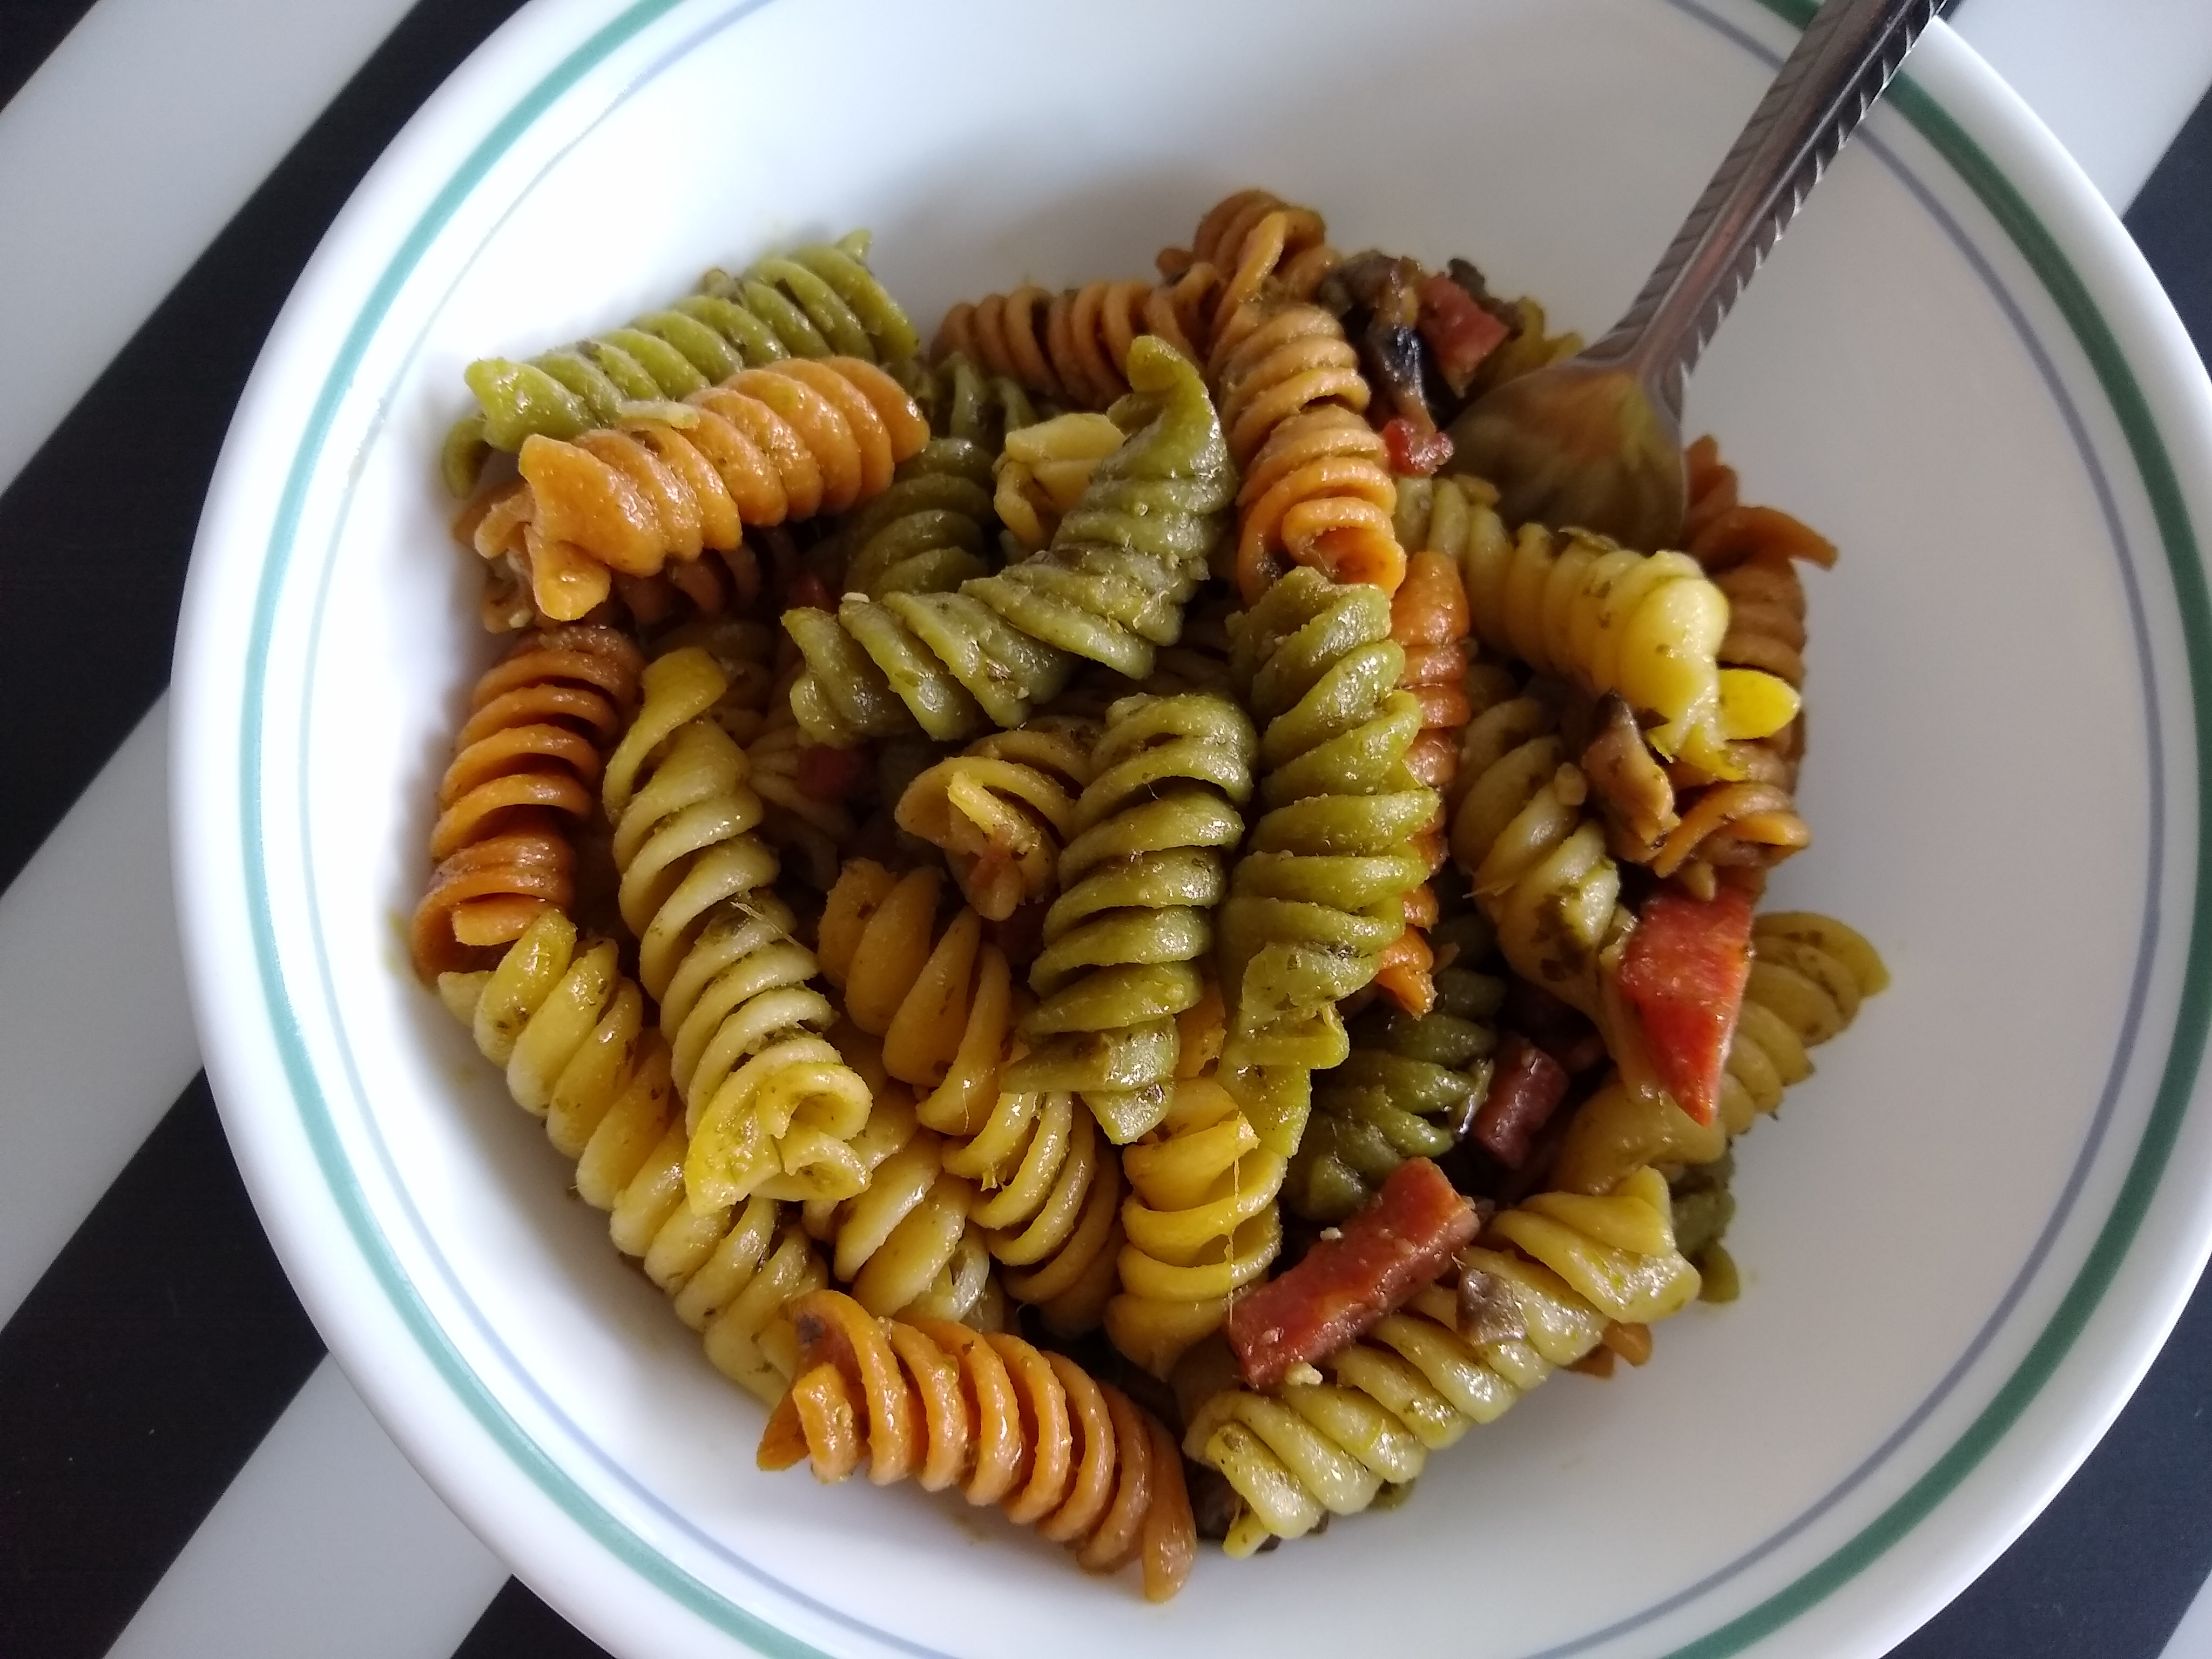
x: 2071, y: 242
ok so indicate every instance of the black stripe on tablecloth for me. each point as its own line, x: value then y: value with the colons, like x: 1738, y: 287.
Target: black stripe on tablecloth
x: 134, y: 1381
x: 2172, y: 221
x: 518, y: 1625
x: 96, y: 530
x: 29, y: 31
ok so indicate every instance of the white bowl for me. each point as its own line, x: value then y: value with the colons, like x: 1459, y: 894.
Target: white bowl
x: 1964, y: 1240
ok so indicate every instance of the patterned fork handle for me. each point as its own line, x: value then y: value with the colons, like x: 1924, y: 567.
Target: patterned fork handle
x: 1839, y: 66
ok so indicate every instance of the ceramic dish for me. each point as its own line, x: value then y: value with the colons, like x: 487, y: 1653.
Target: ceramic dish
x: 1964, y: 1240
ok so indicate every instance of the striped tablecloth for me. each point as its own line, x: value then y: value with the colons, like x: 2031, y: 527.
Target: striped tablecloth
x: 182, y: 1470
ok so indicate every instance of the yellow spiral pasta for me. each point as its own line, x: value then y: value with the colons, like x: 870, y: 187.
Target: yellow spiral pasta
x: 525, y: 767
x: 1052, y: 1211
x: 941, y: 1000
x: 1557, y: 1269
x: 570, y: 1031
x: 1042, y: 472
x: 1535, y: 851
x: 1011, y: 1425
x: 1002, y: 809
x: 770, y: 1103
x: 1809, y: 974
x: 766, y: 445
x: 1201, y: 1222
x: 904, y: 1242
x: 1645, y: 625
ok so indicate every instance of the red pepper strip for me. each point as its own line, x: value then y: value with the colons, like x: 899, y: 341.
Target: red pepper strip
x: 1390, y: 1250
x: 1683, y: 972
x: 1526, y: 1087
x: 829, y: 774
x: 1416, y: 449
x: 1460, y: 332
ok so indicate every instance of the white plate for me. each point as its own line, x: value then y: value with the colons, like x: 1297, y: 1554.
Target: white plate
x: 1964, y: 1240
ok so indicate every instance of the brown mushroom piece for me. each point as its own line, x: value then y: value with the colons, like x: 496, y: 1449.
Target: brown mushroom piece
x: 1630, y: 786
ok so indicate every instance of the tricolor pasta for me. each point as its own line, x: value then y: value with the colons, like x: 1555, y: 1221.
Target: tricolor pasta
x: 1094, y: 868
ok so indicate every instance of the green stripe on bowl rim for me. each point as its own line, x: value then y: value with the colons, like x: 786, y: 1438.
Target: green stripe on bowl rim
x: 2071, y: 295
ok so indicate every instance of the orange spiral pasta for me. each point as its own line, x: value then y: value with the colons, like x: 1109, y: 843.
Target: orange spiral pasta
x: 768, y: 445
x: 1751, y: 554
x: 1073, y: 347
x: 1010, y: 1424
x: 540, y: 724
x: 1260, y: 244
x: 1429, y: 618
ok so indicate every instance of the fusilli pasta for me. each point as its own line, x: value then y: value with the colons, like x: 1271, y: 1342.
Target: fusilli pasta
x: 1319, y: 889
x: 1202, y: 1223
x: 1002, y: 809
x: 570, y: 1030
x: 1110, y: 588
x: 540, y: 723
x: 818, y: 302
x: 771, y: 1104
x: 1564, y: 1264
x: 1809, y: 974
x: 675, y: 479
x: 1124, y: 942
x: 1012, y: 1426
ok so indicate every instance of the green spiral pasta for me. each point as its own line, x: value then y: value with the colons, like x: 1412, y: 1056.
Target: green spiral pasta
x: 1420, y: 1379
x: 929, y: 532
x: 1320, y: 889
x: 1126, y: 941
x: 818, y: 302
x: 1411, y: 1085
x: 959, y: 400
x: 1110, y: 589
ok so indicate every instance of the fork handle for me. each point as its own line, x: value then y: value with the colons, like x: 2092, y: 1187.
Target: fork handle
x: 1842, y: 61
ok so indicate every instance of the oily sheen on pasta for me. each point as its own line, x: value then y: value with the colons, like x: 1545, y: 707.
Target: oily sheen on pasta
x: 1090, y: 862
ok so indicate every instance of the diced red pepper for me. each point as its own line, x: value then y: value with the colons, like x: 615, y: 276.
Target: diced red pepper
x: 1460, y: 332
x: 1417, y: 448
x: 1382, y: 1255
x: 1683, y: 972
x: 829, y: 774
x: 1526, y: 1087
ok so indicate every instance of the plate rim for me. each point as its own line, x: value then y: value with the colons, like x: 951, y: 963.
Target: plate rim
x: 2144, y: 436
